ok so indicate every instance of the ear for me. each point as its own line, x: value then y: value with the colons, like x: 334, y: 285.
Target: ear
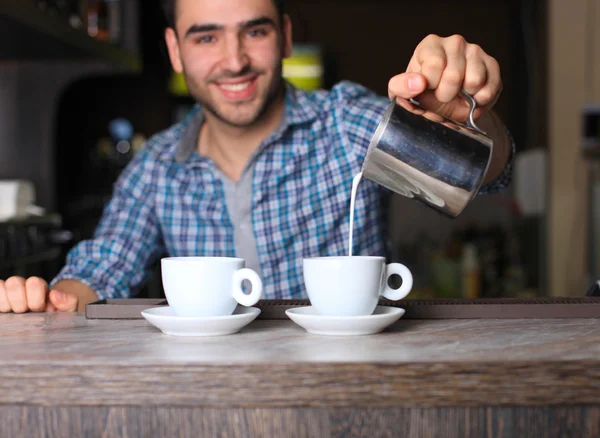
x: 173, y: 47
x: 286, y: 29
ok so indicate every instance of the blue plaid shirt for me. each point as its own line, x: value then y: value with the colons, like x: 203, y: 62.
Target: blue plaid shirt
x: 300, y: 200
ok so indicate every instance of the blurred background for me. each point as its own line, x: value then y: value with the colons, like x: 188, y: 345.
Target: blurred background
x: 83, y: 83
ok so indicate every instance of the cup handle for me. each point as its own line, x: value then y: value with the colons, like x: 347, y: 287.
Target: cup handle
x: 407, y: 282
x: 257, y: 287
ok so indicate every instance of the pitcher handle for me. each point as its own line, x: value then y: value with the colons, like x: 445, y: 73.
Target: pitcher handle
x: 470, y: 123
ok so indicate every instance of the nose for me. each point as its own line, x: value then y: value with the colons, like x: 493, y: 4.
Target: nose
x: 234, y: 56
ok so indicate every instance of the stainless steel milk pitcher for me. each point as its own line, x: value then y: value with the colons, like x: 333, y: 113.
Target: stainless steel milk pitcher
x: 421, y: 155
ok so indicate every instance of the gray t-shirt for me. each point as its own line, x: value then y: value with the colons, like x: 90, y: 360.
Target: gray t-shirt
x: 238, y: 196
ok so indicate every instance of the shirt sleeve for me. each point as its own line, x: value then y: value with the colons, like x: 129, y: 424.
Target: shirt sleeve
x: 360, y: 111
x: 121, y: 254
x: 503, y: 180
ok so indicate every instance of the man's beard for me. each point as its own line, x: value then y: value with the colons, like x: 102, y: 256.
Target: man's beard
x: 272, y: 94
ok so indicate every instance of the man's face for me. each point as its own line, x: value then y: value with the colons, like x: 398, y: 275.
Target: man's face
x: 230, y: 52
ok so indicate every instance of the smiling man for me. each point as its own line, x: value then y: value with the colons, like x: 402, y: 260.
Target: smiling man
x: 258, y: 169
x: 230, y: 54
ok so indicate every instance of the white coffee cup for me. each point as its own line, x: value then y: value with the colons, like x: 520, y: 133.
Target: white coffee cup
x: 208, y: 286
x: 351, y: 286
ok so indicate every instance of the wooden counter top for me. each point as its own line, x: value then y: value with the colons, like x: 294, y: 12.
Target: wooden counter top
x: 64, y: 358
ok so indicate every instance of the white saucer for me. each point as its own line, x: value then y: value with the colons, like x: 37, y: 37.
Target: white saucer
x: 311, y: 321
x: 170, y: 324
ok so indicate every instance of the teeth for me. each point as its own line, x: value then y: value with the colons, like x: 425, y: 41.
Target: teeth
x: 235, y: 87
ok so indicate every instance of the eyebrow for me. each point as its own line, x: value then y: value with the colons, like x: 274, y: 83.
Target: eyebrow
x: 200, y: 28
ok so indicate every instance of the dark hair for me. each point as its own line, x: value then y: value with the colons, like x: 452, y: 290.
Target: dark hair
x: 169, y: 6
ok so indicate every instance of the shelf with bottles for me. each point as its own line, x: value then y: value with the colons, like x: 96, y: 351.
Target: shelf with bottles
x: 477, y: 261
x: 65, y: 29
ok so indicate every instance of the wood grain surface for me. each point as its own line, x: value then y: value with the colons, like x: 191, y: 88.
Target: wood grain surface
x: 50, y: 359
x: 17, y: 421
x: 491, y: 422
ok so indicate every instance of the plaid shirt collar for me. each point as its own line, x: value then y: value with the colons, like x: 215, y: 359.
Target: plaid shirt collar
x: 299, y: 109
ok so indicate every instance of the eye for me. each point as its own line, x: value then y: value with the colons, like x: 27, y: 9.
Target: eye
x: 205, y: 39
x: 259, y: 32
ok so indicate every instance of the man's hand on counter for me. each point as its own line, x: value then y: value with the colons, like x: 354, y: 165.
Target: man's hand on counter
x: 20, y: 295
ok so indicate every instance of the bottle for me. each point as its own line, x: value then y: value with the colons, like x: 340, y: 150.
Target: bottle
x: 514, y: 273
x: 471, y: 271
x: 97, y: 20
x: 76, y: 12
x: 114, y: 26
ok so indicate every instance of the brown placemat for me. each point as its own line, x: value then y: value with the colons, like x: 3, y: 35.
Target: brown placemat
x: 460, y: 308
x: 121, y: 308
x: 504, y: 308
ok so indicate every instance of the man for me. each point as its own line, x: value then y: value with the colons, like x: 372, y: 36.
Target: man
x: 259, y: 169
